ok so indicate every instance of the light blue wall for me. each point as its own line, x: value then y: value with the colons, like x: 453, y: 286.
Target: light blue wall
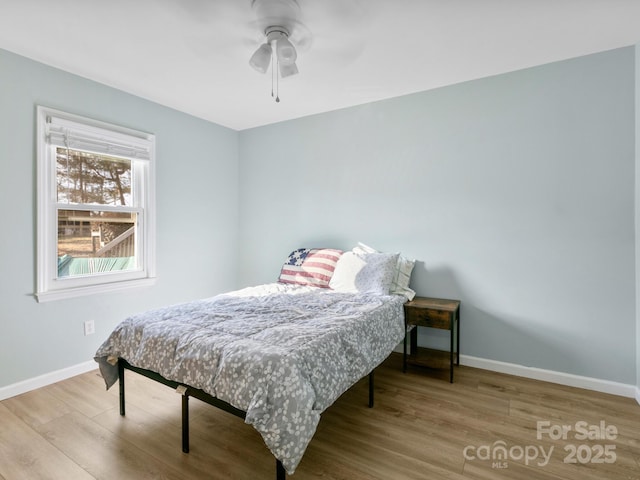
x: 515, y: 193
x: 197, y: 216
x: 637, y: 78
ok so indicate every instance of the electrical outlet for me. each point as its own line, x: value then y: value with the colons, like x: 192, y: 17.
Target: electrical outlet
x: 89, y: 327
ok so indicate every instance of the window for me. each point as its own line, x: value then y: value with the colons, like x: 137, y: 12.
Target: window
x: 95, y: 206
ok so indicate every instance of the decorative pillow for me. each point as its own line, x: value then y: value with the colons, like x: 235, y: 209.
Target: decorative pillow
x: 402, y: 274
x: 310, y: 266
x: 400, y: 283
x: 364, y: 273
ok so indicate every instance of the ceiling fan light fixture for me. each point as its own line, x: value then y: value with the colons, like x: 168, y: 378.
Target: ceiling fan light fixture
x: 278, y: 49
x: 288, y: 70
x: 285, y: 51
x: 261, y: 58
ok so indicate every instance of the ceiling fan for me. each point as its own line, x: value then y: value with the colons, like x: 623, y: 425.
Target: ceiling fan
x: 283, y: 32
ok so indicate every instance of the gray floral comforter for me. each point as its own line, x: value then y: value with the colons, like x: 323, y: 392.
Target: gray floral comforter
x: 281, y: 353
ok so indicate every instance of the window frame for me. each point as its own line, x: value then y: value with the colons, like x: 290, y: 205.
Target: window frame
x: 49, y: 287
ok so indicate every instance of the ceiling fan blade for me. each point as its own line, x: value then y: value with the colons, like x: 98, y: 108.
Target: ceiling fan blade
x: 213, y: 13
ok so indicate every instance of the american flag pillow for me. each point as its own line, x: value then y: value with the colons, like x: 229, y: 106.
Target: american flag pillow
x: 310, y: 266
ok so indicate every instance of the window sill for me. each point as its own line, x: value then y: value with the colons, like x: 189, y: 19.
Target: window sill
x: 67, y: 293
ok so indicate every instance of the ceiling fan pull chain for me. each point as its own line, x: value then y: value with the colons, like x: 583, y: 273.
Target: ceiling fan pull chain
x: 273, y: 69
x: 277, y: 81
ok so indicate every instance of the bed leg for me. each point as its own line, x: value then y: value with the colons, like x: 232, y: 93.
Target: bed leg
x: 121, y: 386
x: 185, y: 423
x: 280, y: 472
x: 371, y: 389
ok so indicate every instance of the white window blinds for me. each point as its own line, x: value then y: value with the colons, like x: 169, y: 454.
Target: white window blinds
x: 62, y: 132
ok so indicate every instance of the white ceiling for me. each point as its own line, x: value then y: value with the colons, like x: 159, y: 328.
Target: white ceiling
x: 192, y: 55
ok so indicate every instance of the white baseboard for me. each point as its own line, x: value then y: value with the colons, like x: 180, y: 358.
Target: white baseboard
x: 46, y: 379
x: 568, y: 379
x: 552, y: 376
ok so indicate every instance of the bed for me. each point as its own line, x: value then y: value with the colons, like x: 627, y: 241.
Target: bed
x: 276, y: 355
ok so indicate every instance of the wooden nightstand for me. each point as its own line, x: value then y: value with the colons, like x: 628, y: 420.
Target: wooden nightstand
x: 434, y: 313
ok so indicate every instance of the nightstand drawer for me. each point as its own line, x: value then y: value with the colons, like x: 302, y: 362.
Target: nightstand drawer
x: 424, y: 317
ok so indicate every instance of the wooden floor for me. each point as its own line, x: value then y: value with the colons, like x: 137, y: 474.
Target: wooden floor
x: 421, y: 427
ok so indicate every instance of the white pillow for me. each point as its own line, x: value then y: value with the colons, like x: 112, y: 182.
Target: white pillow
x: 364, y: 273
x: 402, y: 274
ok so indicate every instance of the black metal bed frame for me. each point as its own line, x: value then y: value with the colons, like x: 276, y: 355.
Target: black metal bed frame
x: 186, y: 391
